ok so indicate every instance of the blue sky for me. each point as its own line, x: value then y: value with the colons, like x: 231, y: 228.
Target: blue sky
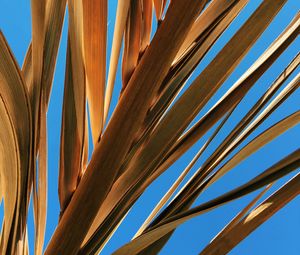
x: 277, y: 236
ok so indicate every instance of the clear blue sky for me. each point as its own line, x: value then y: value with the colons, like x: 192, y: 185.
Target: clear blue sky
x: 280, y: 235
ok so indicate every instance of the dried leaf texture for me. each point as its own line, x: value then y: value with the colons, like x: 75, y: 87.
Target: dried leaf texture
x: 74, y: 110
x: 121, y: 130
x: 94, y: 34
x: 16, y: 148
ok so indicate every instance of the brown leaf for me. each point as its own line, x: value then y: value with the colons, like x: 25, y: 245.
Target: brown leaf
x: 121, y: 130
x: 181, y: 70
x: 179, y: 180
x: 131, y: 184
x: 243, y: 212
x: 41, y: 206
x: 121, y: 17
x: 147, y: 24
x: 95, y: 31
x: 54, y: 17
x: 159, y: 6
x: 259, y: 215
x: 16, y: 148
x: 132, y: 41
x: 283, y: 167
x: 213, y: 12
x: 74, y: 107
x: 232, y: 97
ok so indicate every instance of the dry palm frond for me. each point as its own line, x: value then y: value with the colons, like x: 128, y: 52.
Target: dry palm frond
x: 155, y: 121
x: 284, y: 166
x: 16, y: 140
x: 95, y: 26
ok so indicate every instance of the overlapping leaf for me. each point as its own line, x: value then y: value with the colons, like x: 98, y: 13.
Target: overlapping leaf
x: 16, y: 149
x: 146, y: 133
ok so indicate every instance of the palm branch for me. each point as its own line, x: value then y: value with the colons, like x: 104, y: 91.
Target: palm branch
x: 169, y: 102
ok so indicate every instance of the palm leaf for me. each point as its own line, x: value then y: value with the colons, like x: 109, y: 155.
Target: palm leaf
x: 16, y: 135
x: 178, y: 98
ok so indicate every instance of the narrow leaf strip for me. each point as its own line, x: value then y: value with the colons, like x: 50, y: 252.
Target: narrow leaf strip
x: 95, y: 31
x: 258, y: 142
x: 46, y: 26
x: 181, y: 71
x: 132, y: 41
x: 42, y: 181
x: 242, y: 213
x: 178, y: 74
x: 108, y: 238
x: 203, y: 88
x: 10, y: 159
x: 191, y: 191
x: 199, y: 182
x: 121, y: 17
x: 54, y: 17
x: 233, y: 96
x: 27, y: 71
x: 38, y: 9
x: 283, y: 167
x: 224, y: 243
x: 73, y: 117
x: 214, y: 10
x: 147, y: 24
x: 229, y: 143
x: 179, y: 180
x: 16, y: 149
x: 255, y: 109
x: 159, y: 6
